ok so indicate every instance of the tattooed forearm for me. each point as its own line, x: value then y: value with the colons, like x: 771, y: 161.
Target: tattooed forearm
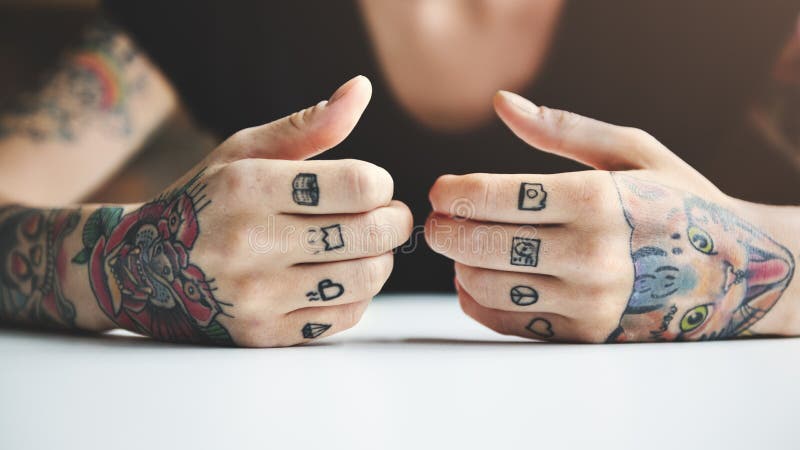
x: 141, y: 271
x: 700, y: 273
x: 33, y: 264
x: 92, y: 86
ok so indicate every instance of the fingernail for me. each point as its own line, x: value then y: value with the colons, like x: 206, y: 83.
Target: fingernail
x: 521, y: 103
x: 344, y: 89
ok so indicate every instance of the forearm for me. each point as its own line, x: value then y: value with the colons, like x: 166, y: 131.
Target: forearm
x: 41, y: 284
x: 91, y: 115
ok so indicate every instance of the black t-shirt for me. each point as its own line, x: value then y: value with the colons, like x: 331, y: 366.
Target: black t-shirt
x: 684, y: 70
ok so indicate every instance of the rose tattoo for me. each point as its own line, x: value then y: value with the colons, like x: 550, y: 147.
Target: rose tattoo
x: 141, y: 273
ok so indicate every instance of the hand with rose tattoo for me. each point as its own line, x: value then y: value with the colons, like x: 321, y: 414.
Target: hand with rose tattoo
x: 641, y: 249
x: 256, y: 247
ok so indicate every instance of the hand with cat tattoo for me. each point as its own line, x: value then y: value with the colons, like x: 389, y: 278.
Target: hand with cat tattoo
x: 255, y: 247
x: 643, y: 248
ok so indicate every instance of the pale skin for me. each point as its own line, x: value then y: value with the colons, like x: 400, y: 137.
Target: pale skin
x: 584, y: 274
x: 254, y: 239
x: 266, y: 257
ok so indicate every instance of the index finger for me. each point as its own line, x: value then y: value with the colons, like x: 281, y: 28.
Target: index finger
x: 314, y: 187
x: 522, y: 199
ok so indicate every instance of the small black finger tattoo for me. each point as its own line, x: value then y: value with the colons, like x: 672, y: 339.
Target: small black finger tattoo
x: 541, y: 327
x: 525, y: 251
x: 524, y: 295
x: 532, y: 197
x: 332, y: 237
x: 326, y: 290
x: 305, y: 190
x: 314, y: 330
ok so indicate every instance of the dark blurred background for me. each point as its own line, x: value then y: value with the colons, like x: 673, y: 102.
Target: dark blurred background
x: 33, y: 33
x: 717, y: 81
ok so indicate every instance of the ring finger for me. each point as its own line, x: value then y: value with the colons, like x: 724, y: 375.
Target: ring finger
x: 542, y: 326
x: 335, y: 283
x: 511, y: 291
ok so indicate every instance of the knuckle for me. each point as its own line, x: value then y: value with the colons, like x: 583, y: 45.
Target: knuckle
x: 478, y: 188
x: 373, y: 274
x: 351, y: 314
x: 242, y: 138
x: 297, y: 120
x: 639, y: 136
x: 371, y: 185
x: 591, y: 195
x: 440, y: 189
x: 595, y: 260
x: 237, y: 176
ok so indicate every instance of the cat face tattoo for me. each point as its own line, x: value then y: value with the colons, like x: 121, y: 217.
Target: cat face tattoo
x: 700, y: 272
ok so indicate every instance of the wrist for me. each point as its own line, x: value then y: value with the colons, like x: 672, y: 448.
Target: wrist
x: 77, y: 277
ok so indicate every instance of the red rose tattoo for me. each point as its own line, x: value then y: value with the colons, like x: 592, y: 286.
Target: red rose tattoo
x: 140, y: 269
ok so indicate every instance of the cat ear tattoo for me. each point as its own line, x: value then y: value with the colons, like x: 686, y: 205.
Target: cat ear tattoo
x: 532, y: 197
x: 305, y: 190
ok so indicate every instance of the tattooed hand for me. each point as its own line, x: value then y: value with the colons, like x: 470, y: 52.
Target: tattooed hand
x: 649, y: 252
x: 258, y: 248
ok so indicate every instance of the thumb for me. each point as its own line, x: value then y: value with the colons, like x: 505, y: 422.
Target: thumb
x: 305, y: 133
x: 588, y: 141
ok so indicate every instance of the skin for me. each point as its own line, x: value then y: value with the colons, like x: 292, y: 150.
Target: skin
x: 88, y: 117
x: 418, y: 43
x: 230, y: 281
x: 625, y: 252
x: 228, y: 256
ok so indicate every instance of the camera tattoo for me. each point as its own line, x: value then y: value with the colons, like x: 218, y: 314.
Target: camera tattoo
x: 700, y: 273
x: 32, y: 264
x: 141, y: 273
x: 532, y: 197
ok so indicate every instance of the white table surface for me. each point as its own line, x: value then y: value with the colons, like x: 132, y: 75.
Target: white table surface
x: 415, y: 373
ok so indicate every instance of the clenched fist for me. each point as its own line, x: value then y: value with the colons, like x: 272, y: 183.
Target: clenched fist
x: 255, y: 247
x: 642, y: 249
